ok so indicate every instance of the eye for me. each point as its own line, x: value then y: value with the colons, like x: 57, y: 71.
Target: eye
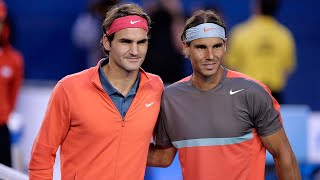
x: 220, y: 45
x: 125, y: 41
x: 145, y: 41
x: 200, y: 47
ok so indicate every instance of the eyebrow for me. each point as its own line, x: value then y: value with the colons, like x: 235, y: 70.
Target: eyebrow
x: 200, y: 46
x: 218, y: 44
x: 204, y: 46
x: 130, y: 41
x: 142, y: 41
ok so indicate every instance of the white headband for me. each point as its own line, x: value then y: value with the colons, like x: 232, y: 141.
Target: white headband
x: 205, y: 30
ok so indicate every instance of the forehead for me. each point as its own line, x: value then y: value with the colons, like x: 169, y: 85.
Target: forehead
x: 131, y: 34
x: 207, y: 41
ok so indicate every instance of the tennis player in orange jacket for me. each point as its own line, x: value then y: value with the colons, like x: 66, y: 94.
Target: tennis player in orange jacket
x: 103, y: 117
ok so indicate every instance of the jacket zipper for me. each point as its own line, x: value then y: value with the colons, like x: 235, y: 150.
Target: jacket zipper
x: 123, y: 123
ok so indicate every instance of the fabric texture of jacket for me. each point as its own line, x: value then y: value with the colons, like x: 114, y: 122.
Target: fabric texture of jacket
x: 96, y: 142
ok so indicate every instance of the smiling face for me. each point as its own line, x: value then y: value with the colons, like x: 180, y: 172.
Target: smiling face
x: 128, y: 49
x: 206, y: 56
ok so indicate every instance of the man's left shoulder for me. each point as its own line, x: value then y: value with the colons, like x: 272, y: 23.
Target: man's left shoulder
x: 154, y: 80
x: 246, y: 79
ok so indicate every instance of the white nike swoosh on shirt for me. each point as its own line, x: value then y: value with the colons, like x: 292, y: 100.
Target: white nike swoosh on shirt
x: 234, y: 92
x: 133, y: 22
x: 150, y: 104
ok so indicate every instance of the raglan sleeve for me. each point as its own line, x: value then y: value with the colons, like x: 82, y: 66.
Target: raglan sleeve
x: 52, y: 132
x: 265, y: 111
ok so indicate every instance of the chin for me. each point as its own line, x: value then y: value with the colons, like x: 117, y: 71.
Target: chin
x: 210, y: 73
x: 129, y: 69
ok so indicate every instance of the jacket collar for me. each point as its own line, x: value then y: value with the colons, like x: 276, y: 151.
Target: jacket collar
x: 94, y: 76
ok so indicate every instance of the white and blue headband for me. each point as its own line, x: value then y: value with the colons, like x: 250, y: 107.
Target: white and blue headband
x: 205, y: 30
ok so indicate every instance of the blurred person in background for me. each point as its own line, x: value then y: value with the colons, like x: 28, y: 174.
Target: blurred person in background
x: 164, y: 56
x: 86, y: 31
x: 103, y: 117
x: 263, y: 48
x: 220, y: 121
x: 11, y: 77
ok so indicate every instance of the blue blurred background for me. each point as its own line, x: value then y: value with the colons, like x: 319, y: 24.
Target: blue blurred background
x: 41, y: 30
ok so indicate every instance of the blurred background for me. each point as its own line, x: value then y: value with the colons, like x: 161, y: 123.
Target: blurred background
x: 59, y: 37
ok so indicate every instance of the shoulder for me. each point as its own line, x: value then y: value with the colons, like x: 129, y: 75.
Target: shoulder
x: 178, y: 88
x: 241, y: 26
x: 155, y: 82
x: 239, y: 29
x: 77, y: 78
x: 154, y: 78
x: 257, y: 93
x: 281, y: 31
x: 247, y: 82
x: 286, y: 33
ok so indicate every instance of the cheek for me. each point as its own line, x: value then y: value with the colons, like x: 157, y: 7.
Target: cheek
x: 197, y: 56
x: 143, y: 49
x: 196, y: 63
x: 116, y: 52
x: 220, y: 55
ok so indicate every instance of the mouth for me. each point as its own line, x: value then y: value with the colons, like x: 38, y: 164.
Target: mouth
x: 133, y: 59
x: 210, y: 65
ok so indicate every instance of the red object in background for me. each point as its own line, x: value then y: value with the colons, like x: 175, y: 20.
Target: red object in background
x: 3, y: 10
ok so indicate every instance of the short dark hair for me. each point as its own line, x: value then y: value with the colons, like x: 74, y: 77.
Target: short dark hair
x: 268, y: 7
x: 118, y: 12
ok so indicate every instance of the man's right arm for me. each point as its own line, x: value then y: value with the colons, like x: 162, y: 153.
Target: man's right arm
x: 285, y: 161
x: 161, y: 157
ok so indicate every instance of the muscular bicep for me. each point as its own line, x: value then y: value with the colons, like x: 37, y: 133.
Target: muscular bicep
x: 285, y: 162
x: 276, y: 143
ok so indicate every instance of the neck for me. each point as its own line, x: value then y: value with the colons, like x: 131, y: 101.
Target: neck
x: 206, y: 83
x: 120, y: 79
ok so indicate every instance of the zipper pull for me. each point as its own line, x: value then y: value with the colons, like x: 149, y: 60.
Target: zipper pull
x: 123, y: 123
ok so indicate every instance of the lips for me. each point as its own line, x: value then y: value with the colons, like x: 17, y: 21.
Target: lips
x: 209, y: 65
x: 133, y: 59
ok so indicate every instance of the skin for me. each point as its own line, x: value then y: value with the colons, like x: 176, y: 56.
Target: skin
x: 127, y: 52
x: 206, y: 56
x: 161, y: 157
x: 279, y: 147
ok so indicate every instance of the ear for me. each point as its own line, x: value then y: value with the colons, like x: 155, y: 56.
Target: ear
x: 225, y: 45
x: 185, y: 49
x: 106, y: 43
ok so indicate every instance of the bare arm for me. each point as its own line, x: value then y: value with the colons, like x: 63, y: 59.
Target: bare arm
x: 160, y: 157
x: 279, y: 147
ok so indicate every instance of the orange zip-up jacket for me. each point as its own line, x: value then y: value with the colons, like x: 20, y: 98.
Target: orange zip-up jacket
x: 96, y: 142
x: 11, y: 76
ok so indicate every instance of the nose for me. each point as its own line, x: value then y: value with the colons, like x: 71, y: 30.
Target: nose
x: 134, y: 49
x: 210, y: 54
